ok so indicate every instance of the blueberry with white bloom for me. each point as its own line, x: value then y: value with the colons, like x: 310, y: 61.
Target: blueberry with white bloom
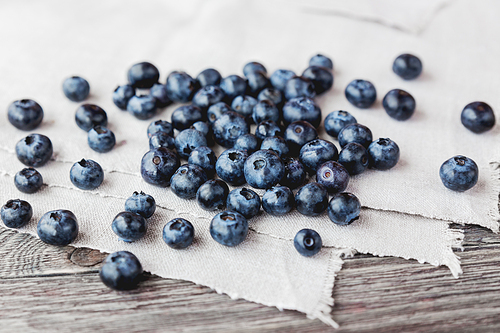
x: 248, y: 142
x: 178, y: 233
x: 268, y: 128
x: 181, y: 87
x: 143, y: 75
x: 344, y: 208
x: 121, y: 271
x: 205, y: 158
x: 122, y: 95
x: 276, y: 144
x: 228, y: 128
x: 244, y: 105
x: 160, y: 126
x: 188, y: 140
x: 25, y: 114
x: 278, y: 200
x: 399, y: 104
x: 141, y: 203
x: 264, y: 169
x: 335, y: 121
x: 160, y: 93
x: 302, y: 108
x: 187, y: 180
x: 34, y: 150
x: 212, y: 194
x: 229, y: 228
x: 244, y: 201
x: 28, y: 180
x: 459, y: 173
x: 57, y: 227
x: 230, y: 166
x: 361, y: 93
x: 355, y: 133
x: 354, y: 158
x: 216, y: 110
x: 161, y: 139
x: 407, y: 66
x: 265, y: 110
x: 297, y: 134
x: 158, y: 165
x: 307, y: 242
x: 280, y: 77
x: 316, y: 152
x: 333, y: 176
x: 142, y: 107
x: 76, y: 88
x: 311, y: 199
x: 207, y: 96
x: 86, y: 174
x: 273, y: 95
x: 299, y: 86
x: 185, y: 116
x: 383, y: 154
x: 209, y: 77
x: 101, y: 139
x: 129, y: 226
x: 253, y: 67
x: 321, y: 77
x: 233, y: 86
x: 89, y: 115
x: 295, y: 173
x: 16, y: 213
x: 321, y: 61
x: 256, y: 82
x: 478, y: 117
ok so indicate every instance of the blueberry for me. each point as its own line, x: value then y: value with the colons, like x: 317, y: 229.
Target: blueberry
x: 141, y: 203
x: 230, y: 166
x: 129, y: 226
x: 344, y: 208
x: 244, y: 201
x: 335, y: 121
x: 122, y: 95
x: 321, y: 61
x: 76, y: 88
x: 355, y: 133
x: 159, y: 92
x: 316, y: 152
x: 399, y: 104
x: 478, y: 117
x: 276, y: 144
x: 161, y: 139
x: 278, y: 200
x: 299, y: 86
x: 361, y: 93
x: 321, y: 78
x: 143, y: 75
x: 459, y: 173
x: 307, y: 242
x: 354, y: 158
x: 273, y: 95
x: 185, y: 116
x: 25, y: 114
x: 205, y: 158
x: 34, y: 150
x: 28, y: 180
x: 160, y: 126
x: 121, y: 271
x: 244, y: 105
x: 178, y: 233
x: 302, y: 108
x: 295, y: 173
x: 256, y: 82
x: 207, y: 96
x: 216, y: 110
x: 407, y: 66
x: 57, y: 227
x: 142, y: 107
x: 212, y: 194
x: 264, y: 169
x: 188, y: 140
x: 265, y: 110
x: 233, y: 86
x: 267, y: 128
x: 101, y: 139
x: 254, y: 67
x: 16, y: 213
x: 181, y: 87
x: 158, y: 165
x: 89, y: 115
x: 229, y: 228
x: 228, y: 128
x: 248, y: 142
x: 298, y: 134
x: 311, y: 199
x: 383, y: 154
x: 205, y: 129
x: 86, y: 174
x: 280, y: 77
x: 209, y: 77
x: 187, y: 180
x: 333, y: 176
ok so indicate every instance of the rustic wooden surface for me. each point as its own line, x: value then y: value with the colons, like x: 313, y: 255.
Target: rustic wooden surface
x: 46, y: 288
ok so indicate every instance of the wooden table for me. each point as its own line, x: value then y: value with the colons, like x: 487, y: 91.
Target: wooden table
x: 45, y: 288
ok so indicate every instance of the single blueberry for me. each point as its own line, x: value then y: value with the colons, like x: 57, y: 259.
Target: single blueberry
x: 101, y: 139
x: 333, y: 176
x: 265, y: 110
x: 267, y: 128
x: 129, y: 226
x: 25, y: 114
x: 276, y: 144
x: 298, y: 134
x: 273, y: 95
x: 57, y: 227
x: 89, y: 115
x: 208, y: 96
x: 264, y: 169
x: 181, y: 87
x: 187, y: 141
x: 159, y: 92
x: 459, y: 173
x: 244, y: 105
x: 141, y: 203
x: 161, y: 139
x: 311, y: 199
x: 355, y: 133
x: 335, y: 121
x: 205, y: 158
x: 28, y: 180
x: 228, y: 128
x: 399, y: 104
x: 354, y: 158
x: 244, y: 201
x: 316, y: 152
x: 185, y: 116
x: 321, y: 61
x: 178, y: 233
x: 122, y: 95
x: 16, y: 213
x: 209, y: 77
x: 321, y: 78
x: 302, y: 108
x: 407, y: 66
x: 121, y: 271
x: 86, y: 174
x: 254, y: 67
x: 295, y: 173
x: 344, y: 208
x: 230, y: 166
x: 478, y: 117
x: 299, y: 86
x: 205, y: 128
x: 158, y: 165
x: 383, y: 154
x: 248, y: 142
x: 187, y: 180
x: 256, y: 82
x: 280, y: 77
x: 361, y: 93
x: 160, y: 126
x: 212, y: 194
x: 278, y: 200
x: 229, y: 228
x: 143, y: 75
x: 76, y: 88
x: 307, y: 242
x: 216, y: 110
x: 142, y: 107
x: 233, y: 86
x: 34, y: 150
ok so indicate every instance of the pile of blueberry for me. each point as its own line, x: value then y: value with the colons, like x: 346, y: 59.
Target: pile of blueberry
x: 278, y: 157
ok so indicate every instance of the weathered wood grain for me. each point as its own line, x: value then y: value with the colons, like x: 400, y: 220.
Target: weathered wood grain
x: 45, y: 287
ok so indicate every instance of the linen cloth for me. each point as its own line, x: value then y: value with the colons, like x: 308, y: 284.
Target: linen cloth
x: 99, y: 41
